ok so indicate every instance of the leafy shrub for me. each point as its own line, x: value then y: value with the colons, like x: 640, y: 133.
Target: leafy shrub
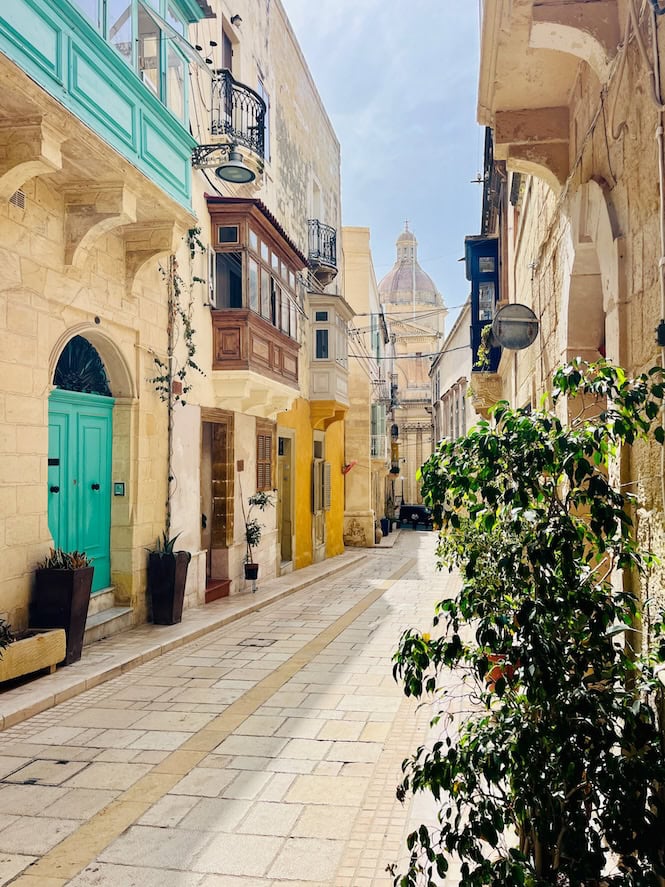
x: 555, y: 774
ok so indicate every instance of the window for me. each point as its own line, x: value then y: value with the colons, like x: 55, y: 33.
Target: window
x: 259, y: 282
x: 229, y: 280
x: 266, y: 132
x: 321, y: 352
x: 264, y: 447
x: 119, y: 26
x: 227, y: 234
x: 254, y: 285
x: 485, y: 301
x: 91, y: 10
x: 175, y: 83
x: 321, y: 316
x: 149, y: 50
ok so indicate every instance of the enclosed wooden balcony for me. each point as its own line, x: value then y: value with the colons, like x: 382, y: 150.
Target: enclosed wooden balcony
x: 242, y: 340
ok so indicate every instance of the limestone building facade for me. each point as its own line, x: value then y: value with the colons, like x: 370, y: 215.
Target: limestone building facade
x: 367, y: 438
x: 573, y: 94
x: 113, y: 125
x: 416, y: 314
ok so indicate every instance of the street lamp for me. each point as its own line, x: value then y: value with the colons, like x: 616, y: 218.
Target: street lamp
x: 234, y: 169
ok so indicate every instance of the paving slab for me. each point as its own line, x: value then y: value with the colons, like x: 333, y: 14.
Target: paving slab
x: 264, y: 751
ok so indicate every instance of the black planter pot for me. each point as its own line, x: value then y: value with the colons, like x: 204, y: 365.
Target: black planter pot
x: 167, y: 575
x: 251, y: 571
x: 385, y: 526
x: 60, y: 600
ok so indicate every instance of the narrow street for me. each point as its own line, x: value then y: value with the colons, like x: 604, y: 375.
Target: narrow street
x: 266, y: 752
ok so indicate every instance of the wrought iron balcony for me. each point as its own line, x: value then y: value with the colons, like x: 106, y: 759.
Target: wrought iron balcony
x: 322, y: 251
x: 238, y: 119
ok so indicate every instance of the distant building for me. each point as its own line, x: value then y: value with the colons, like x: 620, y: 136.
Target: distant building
x: 416, y: 314
x: 367, y: 446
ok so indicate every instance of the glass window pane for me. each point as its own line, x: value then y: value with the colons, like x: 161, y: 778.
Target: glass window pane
x: 149, y: 37
x: 322, y: 344
x: 285, y: 272
x: 275, y: 263
x: 486, y: 264
x: 293, y: 321
x: 175, y: 21
x: 321, y: 315
x: 285, y: 312
x: 253, y: 241
x: 227, y: 233
x: 119, y: 24
x: 253, y: 285
x: 485, y: 301
x: 265, y: 293
x: 275, y: 303
x: 175, y: 85
x: 265, y: 252
x: 292, y: 280
x: 90, y: 8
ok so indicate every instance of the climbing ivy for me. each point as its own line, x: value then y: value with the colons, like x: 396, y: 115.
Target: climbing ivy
x: 548, y: 764
x: 172, y: 378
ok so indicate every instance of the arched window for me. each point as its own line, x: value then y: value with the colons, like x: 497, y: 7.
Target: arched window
x: 80, y: 368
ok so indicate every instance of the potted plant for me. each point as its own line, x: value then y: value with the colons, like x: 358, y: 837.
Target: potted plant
x: 29, y: 651
x: 167, y: 575
x: 63, y: 580
x: 253, y: 530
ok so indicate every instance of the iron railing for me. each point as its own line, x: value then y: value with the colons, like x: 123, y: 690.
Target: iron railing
x: 238, y: 112
x: 322, y: 244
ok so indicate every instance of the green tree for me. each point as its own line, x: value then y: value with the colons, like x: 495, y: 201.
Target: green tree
x: 554, y: 775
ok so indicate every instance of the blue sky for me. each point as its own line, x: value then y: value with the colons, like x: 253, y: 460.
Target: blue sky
x: 399, y: 82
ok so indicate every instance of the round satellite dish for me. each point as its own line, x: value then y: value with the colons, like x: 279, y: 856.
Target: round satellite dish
x: 515, y: 327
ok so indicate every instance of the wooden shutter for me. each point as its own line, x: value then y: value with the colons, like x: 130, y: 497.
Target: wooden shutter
x: 264, y: 460
x: 327, y: 486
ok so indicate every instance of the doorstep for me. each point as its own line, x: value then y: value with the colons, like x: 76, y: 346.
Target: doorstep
x: 113, y: 656
x: 389, y: 540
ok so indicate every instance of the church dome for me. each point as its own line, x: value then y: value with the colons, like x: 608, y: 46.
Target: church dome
x: 406, y: 282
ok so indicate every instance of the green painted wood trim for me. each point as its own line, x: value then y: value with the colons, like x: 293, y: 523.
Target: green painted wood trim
x: 78, y: 397
x: 189, y: 9
x: 61, y: 50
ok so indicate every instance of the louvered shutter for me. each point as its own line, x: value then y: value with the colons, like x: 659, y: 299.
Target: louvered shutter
x: 263, y: 462
x: 327, y: 486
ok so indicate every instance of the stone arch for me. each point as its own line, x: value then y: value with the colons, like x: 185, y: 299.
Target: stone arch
x: 593, y: 288
x: 119, y: 374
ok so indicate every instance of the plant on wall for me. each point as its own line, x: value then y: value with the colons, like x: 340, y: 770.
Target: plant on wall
x: 173, y: 378
x: 553, y: 773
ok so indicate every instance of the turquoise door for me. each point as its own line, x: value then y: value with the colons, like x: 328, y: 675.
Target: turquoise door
x: 79, y: 477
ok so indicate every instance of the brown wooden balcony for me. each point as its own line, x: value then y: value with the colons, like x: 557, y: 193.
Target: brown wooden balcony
x: 243, y: 340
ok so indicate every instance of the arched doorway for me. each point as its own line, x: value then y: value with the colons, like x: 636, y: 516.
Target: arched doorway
x: 79, y: 456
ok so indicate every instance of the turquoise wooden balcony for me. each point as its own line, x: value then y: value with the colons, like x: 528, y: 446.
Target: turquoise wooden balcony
x: 126, y: 79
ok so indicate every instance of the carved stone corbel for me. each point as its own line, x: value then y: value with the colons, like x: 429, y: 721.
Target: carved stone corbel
x: 28, y: 148
x: 145, y: 242
x: 91, y: 211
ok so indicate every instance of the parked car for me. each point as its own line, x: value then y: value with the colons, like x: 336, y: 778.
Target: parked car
x: 414, y: 515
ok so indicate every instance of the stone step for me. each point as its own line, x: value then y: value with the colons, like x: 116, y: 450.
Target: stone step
x: 100, y: 600
x: 106, y: 623
x: 216, y: 589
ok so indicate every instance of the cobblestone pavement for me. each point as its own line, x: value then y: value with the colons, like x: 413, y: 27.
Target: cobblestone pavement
x: 264, y: 753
